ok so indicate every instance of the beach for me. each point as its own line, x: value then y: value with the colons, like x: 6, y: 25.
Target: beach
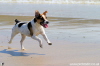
x: 74, y: 33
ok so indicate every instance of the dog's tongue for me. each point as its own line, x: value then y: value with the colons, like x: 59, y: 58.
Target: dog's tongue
x: 45, y: 25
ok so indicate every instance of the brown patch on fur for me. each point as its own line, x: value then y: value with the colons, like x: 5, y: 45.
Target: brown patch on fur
x: 38, y: 21
x: 44, y: 13
x: 37, y: 13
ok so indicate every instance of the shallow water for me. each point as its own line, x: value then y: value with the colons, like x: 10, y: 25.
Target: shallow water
x: 54, y: 10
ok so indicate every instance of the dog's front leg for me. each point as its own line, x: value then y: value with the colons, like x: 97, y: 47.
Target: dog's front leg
x: 46, y: 38
x: 38, y: 39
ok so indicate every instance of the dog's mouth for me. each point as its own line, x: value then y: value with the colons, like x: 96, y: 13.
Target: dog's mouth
x: 45, y: 25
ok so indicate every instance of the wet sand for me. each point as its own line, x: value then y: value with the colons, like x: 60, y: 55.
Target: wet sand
x: 75, y: 40
x: 56, y: 55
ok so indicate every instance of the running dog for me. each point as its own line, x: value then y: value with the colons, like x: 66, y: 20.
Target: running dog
x: 32, y: 29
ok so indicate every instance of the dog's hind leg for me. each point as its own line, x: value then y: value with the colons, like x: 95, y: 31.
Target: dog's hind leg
x: 12, y: 36
x: 21, y: 42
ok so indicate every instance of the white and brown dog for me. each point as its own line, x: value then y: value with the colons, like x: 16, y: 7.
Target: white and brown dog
x: 32, y: 29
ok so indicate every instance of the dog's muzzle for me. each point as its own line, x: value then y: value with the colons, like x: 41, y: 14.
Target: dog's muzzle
x: 44, y: 24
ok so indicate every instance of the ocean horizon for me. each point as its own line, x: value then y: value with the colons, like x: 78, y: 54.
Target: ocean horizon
x: 53, y: 1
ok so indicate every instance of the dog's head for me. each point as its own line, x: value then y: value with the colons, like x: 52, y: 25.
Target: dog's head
x: 41, y: 19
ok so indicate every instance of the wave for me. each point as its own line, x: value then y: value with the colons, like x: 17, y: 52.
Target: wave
x: 53, y: 1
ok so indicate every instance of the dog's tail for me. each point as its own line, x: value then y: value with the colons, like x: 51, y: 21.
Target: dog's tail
x: 17, y: 21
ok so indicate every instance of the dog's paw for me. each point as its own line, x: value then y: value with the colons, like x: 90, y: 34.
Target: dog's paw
x: 50, y: 43
x: 23, y: 49
x: 41, y: 46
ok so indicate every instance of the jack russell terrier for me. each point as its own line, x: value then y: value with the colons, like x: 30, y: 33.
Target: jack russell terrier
x: 32, y: 29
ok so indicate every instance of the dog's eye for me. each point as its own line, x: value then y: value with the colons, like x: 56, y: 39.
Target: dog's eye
x: 38, y: 17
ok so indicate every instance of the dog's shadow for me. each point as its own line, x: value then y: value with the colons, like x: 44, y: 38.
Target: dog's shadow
x: 15, y: 53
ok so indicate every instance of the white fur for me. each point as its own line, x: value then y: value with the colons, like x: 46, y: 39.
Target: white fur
x: 24, y: 31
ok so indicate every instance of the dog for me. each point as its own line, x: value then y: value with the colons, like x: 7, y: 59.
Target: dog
x: 31, y: 29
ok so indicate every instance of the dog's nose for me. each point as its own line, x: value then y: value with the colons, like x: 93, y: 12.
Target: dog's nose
x: 47, y: 22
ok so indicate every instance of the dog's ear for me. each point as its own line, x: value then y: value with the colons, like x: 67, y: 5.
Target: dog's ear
x: 37, y: 13
x: 45, y: 12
